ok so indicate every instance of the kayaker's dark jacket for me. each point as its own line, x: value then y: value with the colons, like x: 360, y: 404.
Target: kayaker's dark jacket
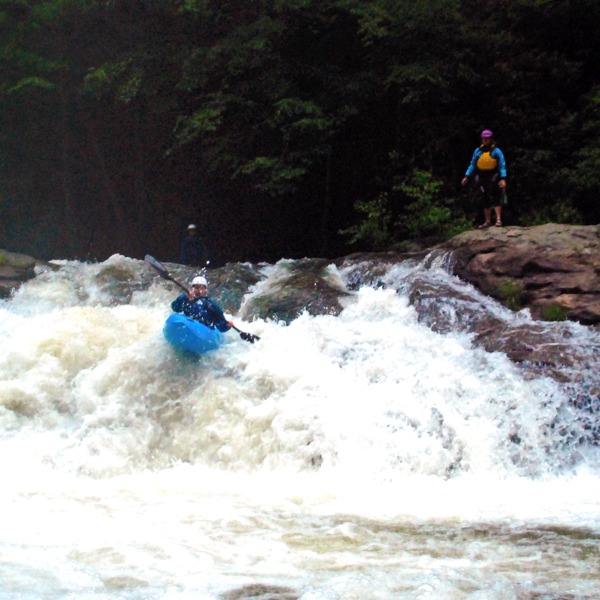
x: 203, y: 310
x: 191, y: 251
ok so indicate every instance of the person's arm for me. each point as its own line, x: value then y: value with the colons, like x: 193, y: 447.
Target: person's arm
x: 499, y: 156
x: 179, y: 303
x: 221, y: 323
x: 472, y: 167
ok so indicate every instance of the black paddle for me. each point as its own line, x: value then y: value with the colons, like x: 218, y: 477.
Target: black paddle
x: 164, y: 273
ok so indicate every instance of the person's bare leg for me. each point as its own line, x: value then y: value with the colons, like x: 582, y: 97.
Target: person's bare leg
x: 487, y: 213
x: 498, y: 211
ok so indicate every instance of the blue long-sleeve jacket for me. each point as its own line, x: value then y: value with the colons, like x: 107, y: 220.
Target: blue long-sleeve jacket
x: 203, y: 310
x: 495, y: 153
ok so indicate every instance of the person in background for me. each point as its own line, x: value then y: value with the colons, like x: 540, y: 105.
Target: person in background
x: 191, y: 251
x: 488, y: 169
x: 198, y: 306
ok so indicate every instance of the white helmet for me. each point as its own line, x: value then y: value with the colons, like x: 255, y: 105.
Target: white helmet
x: 199, y: 280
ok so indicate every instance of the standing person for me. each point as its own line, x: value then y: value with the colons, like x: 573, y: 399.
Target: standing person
x: 488, y: 169
x: 198, y: 306
x: 191, y: 251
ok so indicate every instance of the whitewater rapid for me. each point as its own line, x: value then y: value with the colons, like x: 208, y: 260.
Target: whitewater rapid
x: 360, y: 455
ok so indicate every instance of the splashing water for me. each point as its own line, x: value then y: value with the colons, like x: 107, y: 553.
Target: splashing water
x: 358, y: 456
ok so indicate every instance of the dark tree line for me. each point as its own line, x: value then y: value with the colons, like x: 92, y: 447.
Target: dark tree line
x: 276, y: 124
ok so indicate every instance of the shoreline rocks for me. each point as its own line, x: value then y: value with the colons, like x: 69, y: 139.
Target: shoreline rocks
x: 554, y: 270
x: 15, y: 269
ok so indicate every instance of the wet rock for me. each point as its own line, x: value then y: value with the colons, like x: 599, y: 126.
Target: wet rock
x: 261, y: 592
x: 538, y: 348
x: 14, y: 270
x: 445, y: 309
x: 370, y: 268
x: 300, y: 286
x: 551, y: 269
x: 231, y: 283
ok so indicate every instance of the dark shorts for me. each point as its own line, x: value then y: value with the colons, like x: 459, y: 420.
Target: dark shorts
x: 489, y: 192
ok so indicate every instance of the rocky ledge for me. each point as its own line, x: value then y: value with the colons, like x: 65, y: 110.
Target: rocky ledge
x: 14, y: 270
x: 554, y: 270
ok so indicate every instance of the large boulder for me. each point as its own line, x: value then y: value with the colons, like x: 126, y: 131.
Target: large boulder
x: 14, y: 270
x: 551, y: 269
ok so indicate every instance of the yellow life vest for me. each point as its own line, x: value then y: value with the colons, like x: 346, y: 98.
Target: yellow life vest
x: 486, y: 162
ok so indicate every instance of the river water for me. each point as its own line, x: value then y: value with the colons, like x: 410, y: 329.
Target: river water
x: 357, y: 456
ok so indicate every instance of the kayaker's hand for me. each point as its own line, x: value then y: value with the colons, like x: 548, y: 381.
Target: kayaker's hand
x: 230, y: 324
x: 502, y: 184
x: 464, y: 181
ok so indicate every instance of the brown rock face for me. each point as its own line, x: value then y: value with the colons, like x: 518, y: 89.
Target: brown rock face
x: 546, y: 268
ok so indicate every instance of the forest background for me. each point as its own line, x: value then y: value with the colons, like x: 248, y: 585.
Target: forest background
x: 288, y: 128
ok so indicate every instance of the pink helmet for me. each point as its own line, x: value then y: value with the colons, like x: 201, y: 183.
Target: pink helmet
x: 486, y: 133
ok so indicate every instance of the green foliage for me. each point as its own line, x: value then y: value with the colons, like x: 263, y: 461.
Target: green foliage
x: 101, y: 79
x: 205, y: 120
x: 121, y: 78
x: 423, y: 213
x: 197, y: 8
x: 272, y: 175
x: 319, y: 103
x: 293, y: 115
x: 554, y: 313
x: 512, y: 293
x: 427, y: 212
x: 589, y: 168
x: 374, y: 229
x: 561, y: 211
x: 30, y: 83
x: 585, y: 178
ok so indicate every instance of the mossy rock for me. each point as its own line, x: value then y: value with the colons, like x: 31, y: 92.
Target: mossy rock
x: 14, y: 270
x: 17, y: 261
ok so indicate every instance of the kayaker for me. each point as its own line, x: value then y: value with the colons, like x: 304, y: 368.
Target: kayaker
x: 488, y: 169
x: 197, y: 305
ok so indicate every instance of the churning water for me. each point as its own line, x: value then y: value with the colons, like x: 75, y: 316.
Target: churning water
x: 358, y: 456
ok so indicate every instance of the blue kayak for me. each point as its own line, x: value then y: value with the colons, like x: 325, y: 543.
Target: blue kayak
x: 186, y: 334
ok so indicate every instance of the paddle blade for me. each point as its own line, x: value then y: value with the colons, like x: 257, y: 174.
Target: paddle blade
x: 157, y: 265
x: 248, y: 337
x: 163, y: 272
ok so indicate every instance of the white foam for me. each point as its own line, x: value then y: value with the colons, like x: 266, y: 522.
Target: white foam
x: 354, y: 456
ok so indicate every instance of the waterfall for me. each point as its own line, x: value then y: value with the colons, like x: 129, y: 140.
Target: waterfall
x: 366, y: 447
